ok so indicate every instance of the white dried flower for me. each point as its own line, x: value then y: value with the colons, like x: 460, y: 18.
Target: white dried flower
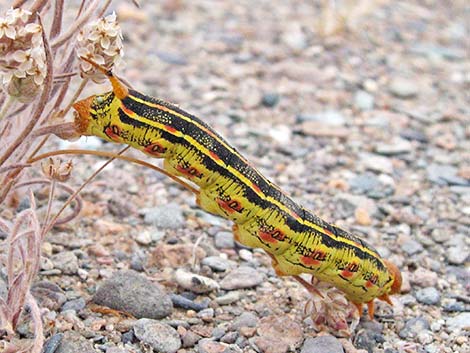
x: 22, y: 56
x: 332, y: 312
x: 100, y: 41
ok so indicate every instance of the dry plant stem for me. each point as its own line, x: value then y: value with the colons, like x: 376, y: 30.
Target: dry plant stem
x: 57, y: 21
x: 38, y: 5
x: 57, y: 77
x: 40, y: 106
x: 78, y: 200
x: 87, y: 181
x: 49, y: 202
x: 38, y: 327
x: 61, y: 129
x: 105, y: 7
x: 113, y: 155
x: 194, y: 258
x: 64, y: 37
x: 18, y: 3
x: 6, y: 106
x: 14, y: 166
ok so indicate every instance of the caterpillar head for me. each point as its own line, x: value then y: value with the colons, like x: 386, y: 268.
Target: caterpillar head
x: 93, y: 115
x: 396, y: 284
x: 397, y: 279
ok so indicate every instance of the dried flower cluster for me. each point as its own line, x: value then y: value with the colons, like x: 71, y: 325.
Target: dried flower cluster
x: 22, y: 57
x: 100, y: 41
x: 56, y: 170
x: 332, y: 312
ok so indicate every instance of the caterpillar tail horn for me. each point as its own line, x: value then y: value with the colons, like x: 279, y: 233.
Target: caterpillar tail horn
x: 119, y: 89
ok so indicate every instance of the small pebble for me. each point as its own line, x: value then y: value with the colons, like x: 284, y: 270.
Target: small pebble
x: 412, y: 247
x: 161, y: 337
x: 457, y: 255
x: 66, y: 261
x: 396, y: 146
x: 428, y: 295
x: 185, y: 303
x: 414, y: 326
x: 169, y: 216
x: 242, y: 277
x: 278, y: 334
x: 403, y: 88
x: 216, y: 263
x: 229, y: 298
x: 322, y: 344
x: 224, y: 240
x: 458, y: 322
x: 207, y: 345
x: 49, y: 295
x: 363, y: 100
x: 73, y: 342
x: 246, y: 319
x: 270, y: 99
x: 190, y: 339
x: 76, y: 304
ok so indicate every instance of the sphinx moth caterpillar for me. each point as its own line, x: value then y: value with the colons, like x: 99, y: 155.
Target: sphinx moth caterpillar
x: 229, y: 186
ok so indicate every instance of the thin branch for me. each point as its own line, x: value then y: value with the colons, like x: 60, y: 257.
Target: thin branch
x: 7, y: 104
x: 18, y: 3
x: 62, y: 130
x: 57, y: 21
x: 75, y: 210
x: 113, y: 155
x: 14, y: 166
x: 38, y: 5
x: 105, y: 7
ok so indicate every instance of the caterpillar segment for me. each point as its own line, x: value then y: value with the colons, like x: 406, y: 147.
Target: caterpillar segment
x: 297, y: 240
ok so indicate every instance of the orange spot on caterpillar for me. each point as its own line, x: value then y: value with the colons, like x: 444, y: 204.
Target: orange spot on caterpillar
x: 189, y: 171
x: 169, y: 128
x: 126, y: 110
x: 308, y: 261
x: 372, y: 281
x: 155, y: 149
x: 350, y: 269
x: 267, y: 237
x: 327, y: 232
x: 230, y: 205
x: 295, y: 215
x: 256, y: 187
x: 113, y: 132
x: 214, y: 155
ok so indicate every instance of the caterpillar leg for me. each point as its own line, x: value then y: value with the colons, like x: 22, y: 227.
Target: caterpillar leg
x: 370, y: 309
x: 308, y: 286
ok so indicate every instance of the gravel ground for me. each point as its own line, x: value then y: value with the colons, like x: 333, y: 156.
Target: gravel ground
x: 369, y: 129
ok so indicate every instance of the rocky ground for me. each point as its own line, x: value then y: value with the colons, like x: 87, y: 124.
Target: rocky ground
x: 368, y: 128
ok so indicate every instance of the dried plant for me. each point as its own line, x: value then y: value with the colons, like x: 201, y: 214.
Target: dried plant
x: 331, y: 310
x: 38, y: 56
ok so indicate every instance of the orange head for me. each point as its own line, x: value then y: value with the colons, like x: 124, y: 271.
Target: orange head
x: 82, y: 115
x: 397, y: 279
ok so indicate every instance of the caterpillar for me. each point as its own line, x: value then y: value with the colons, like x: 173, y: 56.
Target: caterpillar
x: 229, y: 186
